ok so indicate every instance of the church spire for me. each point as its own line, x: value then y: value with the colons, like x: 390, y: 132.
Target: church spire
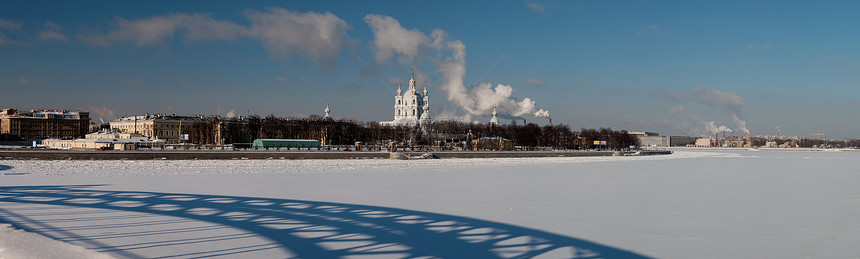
x: 494, y: 120
x: 412, y: 82
x: 327, y: 110
x: 425, y: 110
x: 398, y: 88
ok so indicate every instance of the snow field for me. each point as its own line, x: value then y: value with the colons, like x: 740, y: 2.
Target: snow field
x: 18, y: 244
x: 692, y: 204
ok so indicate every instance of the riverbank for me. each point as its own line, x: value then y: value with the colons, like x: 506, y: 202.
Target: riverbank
x: 763, y: 149
x: 227, y: 155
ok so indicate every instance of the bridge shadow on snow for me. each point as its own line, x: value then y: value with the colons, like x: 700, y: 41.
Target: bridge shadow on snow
x: 323, y: 229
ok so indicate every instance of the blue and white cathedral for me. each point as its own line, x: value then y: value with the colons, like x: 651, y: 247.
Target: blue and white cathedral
x: 411, y: 108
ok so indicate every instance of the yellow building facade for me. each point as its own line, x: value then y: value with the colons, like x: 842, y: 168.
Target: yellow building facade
x: 164, y: 127
x: 101, y: 143
x: 44, y: 124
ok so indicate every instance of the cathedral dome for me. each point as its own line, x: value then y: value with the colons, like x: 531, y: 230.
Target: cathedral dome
x: 409, y: 94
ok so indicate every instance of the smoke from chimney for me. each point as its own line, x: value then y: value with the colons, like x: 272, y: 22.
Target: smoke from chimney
x: 450, y: 60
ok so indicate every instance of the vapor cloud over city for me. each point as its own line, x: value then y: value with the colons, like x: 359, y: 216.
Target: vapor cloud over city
x: 429, y: 129
x: 661, y: 67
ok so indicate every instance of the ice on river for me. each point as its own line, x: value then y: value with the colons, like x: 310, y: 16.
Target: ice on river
x: 692, y: 204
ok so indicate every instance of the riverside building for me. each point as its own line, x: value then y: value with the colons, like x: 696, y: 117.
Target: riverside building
x: 160, y: 126
x: 42, y: 124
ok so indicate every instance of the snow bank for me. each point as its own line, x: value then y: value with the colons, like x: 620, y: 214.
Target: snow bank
x: 16, y: 243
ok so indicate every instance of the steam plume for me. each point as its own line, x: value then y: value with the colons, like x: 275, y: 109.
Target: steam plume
x: 103, y: 113
x: 451, y: 61
x: 701, y: 127
x: 731, y: 102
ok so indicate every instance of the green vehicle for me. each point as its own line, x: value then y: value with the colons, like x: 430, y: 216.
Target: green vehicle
x: 285, y: 143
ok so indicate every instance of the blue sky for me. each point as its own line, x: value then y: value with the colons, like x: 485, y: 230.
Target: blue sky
x: 672, y: 67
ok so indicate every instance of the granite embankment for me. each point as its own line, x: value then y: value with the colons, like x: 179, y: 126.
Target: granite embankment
x: 208, y: 154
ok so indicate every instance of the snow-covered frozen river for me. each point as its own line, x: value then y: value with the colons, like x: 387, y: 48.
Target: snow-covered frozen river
x: 692, y: 204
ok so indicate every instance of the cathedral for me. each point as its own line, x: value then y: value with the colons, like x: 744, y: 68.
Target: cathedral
x: 411, y: 108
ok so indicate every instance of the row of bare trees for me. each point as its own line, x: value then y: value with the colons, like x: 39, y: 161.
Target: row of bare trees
x: 827, y: 143
x: 440, y: 134
x: 808, y: 143
x: 236, y: 131
x: 614, y: 139
x: 532, y: 135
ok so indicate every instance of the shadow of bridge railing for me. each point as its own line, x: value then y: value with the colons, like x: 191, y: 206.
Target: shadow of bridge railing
x: 329, y: 230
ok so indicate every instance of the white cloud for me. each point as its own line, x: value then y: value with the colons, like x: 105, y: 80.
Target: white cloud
x: 25, y: 81
x: 453, y: 69
x: 52, y: 32
x: 672, y: 95
x: 10, y: 25
x: 319, y: 37
x: 535, y: 82
x: 650, y: 30
x: 155, y: 31
x: 732, y: 102
x: 52, y: 36
x: 390, y: 38
x: 677, y: 109
x: 485, y: 98
x: 536, y: 7
x: 4, y: 40
x: 199, y: 27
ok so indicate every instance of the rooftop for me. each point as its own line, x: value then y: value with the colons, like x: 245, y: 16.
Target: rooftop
x: 45, y: 114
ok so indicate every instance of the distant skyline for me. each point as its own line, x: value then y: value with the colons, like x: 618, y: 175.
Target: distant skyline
x: 672, y: 67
